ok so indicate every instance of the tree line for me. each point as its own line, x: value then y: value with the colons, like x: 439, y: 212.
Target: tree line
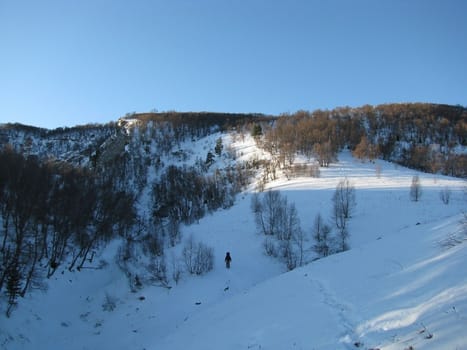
x: 199, y: 124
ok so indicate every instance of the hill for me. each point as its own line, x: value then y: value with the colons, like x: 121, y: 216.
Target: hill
x: 400, y: 286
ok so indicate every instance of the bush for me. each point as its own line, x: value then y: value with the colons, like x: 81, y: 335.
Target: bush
x: 279, y: 222
x: 110, y: 303
x: 270, y: 247
x: 158, y: 270
x: 198, y: 257
x: 445, y: 195
x: 415, y: 189
x: 176, y: 269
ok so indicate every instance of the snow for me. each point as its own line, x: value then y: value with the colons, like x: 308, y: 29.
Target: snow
x: 402, y: 283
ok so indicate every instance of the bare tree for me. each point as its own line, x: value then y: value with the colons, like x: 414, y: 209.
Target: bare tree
x: 343, y: 206
x: 344, y: 199
x: 198, y: 257
x: 342, y: 239
x: 321, y: 236
x: 299, y: 241
x: 269, y: 213
x: 366, y: 149
x: 269, y: 246
x: 445, y: 195
x: 415, y: 189
x: 173, y: 230
x: 293, y: 238
x: 158, y: 270
x: 176, y: 269
x: 325, y: 153
x: 280, y: 223
x: 378, y: 170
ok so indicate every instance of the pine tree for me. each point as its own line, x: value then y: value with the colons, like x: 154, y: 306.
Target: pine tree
x: 257, y: 131
x: 209, y: 159
x: 219, y: 146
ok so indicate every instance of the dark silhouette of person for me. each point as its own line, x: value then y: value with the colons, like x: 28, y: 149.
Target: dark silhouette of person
x: 227, y: 259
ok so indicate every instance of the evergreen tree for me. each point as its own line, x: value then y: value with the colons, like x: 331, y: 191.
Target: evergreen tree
x: 209, y: 159
x: 219, y: 146
x: 257, y: 131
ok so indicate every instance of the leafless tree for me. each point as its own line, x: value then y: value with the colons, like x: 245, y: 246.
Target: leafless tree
x: 344, y: 199
x: 343, y: 205
x: 321, y: 236
x: 415, y: 189
x: 279, y: 222
x: 445, y: 195
x: 198, y: 257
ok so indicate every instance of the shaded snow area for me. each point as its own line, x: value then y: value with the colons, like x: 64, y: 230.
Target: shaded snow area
x: 402, y: 285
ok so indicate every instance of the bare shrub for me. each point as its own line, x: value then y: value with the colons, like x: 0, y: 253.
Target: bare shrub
x: 158, y: 270
x: 445, y: 195
x: 110, y: 302
x: 269, y: 212
x: 173, y: 231
x: 270, y: 247
x: 153, y: 244
x: 343, y: 205
x: 378, y: 170
x: 344, y: 199
x: 321, y: 233
x: 279, y: 222
x: 315, y: 170
x: 415, y: 189
x: 198, y: 257
x: 302, y: 170
x: 176, y: 269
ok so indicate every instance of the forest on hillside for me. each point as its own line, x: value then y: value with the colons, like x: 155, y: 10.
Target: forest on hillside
x: 65, y: 193
x: 426, y: 137
x: 133, y: 182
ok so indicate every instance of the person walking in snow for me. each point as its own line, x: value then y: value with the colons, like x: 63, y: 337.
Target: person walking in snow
x: 227, y: 259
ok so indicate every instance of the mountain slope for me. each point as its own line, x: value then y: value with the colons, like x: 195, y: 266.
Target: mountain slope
x: 403, y: 283
x: 384, y: 295
x: 403, y: 275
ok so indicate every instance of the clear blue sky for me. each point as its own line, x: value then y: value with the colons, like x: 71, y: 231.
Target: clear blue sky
x: 72, y: 62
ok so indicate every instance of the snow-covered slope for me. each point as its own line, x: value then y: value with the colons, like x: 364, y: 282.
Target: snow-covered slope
x: 402, y: 284
x: 403, y: 290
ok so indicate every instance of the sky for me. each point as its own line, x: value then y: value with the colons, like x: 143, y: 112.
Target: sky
x: 74, y: 62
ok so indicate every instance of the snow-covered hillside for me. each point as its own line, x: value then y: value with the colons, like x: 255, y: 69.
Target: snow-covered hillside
x: 402, y: 285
